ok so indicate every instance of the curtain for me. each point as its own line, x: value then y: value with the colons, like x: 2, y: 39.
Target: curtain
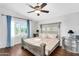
x: 8, y: 34
x: 8, y: 31
x: 15, y: 39
x: 28, y: 25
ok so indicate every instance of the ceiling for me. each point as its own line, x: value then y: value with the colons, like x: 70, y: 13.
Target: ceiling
x: 55, y: 9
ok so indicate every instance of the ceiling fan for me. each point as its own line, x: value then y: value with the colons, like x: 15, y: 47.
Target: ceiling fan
x: 38, y: 8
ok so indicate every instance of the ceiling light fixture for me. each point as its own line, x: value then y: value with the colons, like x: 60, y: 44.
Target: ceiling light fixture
x: 37, y: 11
x: 38, y: 8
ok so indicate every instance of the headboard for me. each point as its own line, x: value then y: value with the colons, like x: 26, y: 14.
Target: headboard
x: 51, y: 28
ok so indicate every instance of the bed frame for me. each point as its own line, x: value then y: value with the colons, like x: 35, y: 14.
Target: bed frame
x: 40, y: 50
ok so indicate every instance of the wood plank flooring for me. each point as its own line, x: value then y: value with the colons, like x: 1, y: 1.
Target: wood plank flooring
x: 18, y: 51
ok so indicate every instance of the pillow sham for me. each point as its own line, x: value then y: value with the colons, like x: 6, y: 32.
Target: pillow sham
x: 51, y: 36
x: 43, y: 35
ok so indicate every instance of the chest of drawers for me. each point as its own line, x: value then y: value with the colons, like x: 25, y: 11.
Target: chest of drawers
x: 71, y: 44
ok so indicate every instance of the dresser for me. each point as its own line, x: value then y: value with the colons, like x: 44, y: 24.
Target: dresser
x: 71, y: 44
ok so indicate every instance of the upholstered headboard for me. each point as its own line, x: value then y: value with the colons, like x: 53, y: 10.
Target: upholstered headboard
x: 51, y: 28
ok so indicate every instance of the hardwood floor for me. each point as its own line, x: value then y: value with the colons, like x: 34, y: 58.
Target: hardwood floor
x: 18, y: 51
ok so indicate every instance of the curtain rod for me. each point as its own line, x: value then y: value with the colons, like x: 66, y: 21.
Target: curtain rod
x: 12, y: 16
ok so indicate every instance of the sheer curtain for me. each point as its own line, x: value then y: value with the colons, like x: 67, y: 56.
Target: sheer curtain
x: 3, y: 31
x: 18, y: 30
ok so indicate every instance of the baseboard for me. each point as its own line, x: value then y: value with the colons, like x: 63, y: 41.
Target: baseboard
x: 3, y: 47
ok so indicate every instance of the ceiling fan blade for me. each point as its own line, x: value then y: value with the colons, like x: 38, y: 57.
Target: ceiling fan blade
x: 31, y: 11
x: 30, y: 6
x: 45, y: 11
x: 43, y: 5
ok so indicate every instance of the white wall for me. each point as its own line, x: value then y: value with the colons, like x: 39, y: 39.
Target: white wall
x: 70, y: 21
x: 34, y: 27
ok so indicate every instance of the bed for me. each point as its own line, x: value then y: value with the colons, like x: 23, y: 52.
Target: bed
x: 43, y: 45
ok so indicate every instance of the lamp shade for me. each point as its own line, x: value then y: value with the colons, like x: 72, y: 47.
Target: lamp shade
x: 70, y: 32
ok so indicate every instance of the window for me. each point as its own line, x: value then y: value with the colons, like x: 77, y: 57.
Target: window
x: 19, y: 28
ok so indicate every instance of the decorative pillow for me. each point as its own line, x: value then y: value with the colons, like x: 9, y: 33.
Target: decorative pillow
x: 43, y: 35
x: 51, y: 36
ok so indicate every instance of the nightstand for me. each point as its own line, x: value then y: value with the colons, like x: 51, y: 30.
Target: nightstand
x: 35, y: 35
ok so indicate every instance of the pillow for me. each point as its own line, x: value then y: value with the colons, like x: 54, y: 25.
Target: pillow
x: 43, y: 35
x: 51, y: 36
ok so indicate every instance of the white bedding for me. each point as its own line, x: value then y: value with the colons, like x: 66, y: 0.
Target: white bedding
x: 50, y: 43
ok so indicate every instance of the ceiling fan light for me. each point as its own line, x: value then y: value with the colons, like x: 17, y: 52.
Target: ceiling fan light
x: 37, y: 11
